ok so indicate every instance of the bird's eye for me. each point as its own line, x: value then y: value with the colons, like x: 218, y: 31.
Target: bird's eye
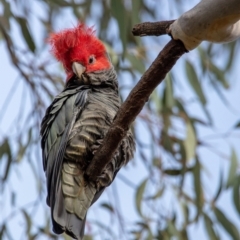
x: 91, y: 59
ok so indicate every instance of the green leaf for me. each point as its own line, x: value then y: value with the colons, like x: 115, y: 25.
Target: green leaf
x: 184, y: 234
x: 236, y: 193
x: 194, y: 82
x: 139, y: 196
x: 65, y: 3
x: 185, y: 210
x: 66, y: 237
x: 136, y: 62
x: 157, y: 100
x: 6, y: 150
x: 182, y: 151
x: 209, y: 226
x: 143, y: 225
x: 46, y: 231
x: 26, y: 33
x: 7, y: 14
x: 173, y: 172
x: 108, y: 207
x: 87, y: 237
x: 2, y: 231
x: 149, y: 10
x: 136, y: 7
x: 112, y: 54
x: 237, y: 125
x: 156, y: 162
x: 33, y: 236
x: 190, y: 141
x: 106, y: 16
x: 119, y: 12
x: 173, y: 230
x: 13, y: 199
x: 158, y: 194
x: 150, y: 235
x: 166, y: 142
x: 232, y: 51
x: 197, y: 185
x: 200, y: 121
x: 232, y: 169
x: 177, y: 172
x: 136, y: 234
x: 219, y: 188
x: 169, y: 99
x: 28, y: 221
x: 219, y: 75
x: 227, y: 224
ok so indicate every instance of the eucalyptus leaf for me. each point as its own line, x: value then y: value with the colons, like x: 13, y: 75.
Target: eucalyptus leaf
x: 7, y: 15
x: 120, y: 13
x: 197, y: 185
x: 173, y: 172
x: 157, y: 100
x: 88, y: 237
x: 190, y: 141
x: 136, y: 7
x: 158, y: 194
x: 173, y: 230
x: 170, y: 101
x: 108, y: 206
x: 136, y: 62
x: 28, y: 221
x: 194, y: 82
x: 185, y: 210
x: 219, y: 75
x: 2, y: 230
x: 220, y: 187
x: 5, y: 150
x: 139, y: 196
x: 112, y: 54
x: 236, y: 193
x: 26, y: 33
x: 227, y: 224
x: 210, y: 228
x: 232, y: 169
x: 237, y: 125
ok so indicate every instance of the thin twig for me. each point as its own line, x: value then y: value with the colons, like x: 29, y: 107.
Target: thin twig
x: 14, y: 57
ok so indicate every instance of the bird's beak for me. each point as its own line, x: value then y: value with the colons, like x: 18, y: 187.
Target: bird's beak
x: 78, y: 69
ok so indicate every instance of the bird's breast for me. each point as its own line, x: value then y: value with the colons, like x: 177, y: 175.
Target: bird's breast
x: 96, y: 117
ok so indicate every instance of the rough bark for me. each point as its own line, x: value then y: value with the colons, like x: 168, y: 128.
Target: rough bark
x: 136, y: 99
x: 152, y: 28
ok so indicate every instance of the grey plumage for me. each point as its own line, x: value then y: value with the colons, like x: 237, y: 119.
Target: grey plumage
x: 72, y: 130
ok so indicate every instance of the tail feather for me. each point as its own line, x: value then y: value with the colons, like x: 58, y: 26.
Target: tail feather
x: 69, y: 212
x: 64, y: 221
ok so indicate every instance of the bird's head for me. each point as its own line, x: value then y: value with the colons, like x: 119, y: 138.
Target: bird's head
x: 80, y: 51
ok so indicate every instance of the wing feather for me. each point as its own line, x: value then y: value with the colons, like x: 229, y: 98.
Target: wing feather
x: 55, y: 129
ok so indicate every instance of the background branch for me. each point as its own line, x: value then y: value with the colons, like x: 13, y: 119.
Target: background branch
x: 133, y: 105
x: 151, y: 28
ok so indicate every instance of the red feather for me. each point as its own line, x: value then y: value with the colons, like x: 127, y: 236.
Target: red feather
x: 77, y: 44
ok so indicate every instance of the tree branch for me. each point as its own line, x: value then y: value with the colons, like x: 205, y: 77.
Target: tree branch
x: 13, y: 56
x: 151, y: 28
x: 133, y: 105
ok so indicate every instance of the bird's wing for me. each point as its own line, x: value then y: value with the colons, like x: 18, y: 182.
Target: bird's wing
x: 58, y: 129
x: 55, y: 129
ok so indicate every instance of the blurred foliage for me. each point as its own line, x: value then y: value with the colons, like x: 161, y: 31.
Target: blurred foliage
x: 172, y: 154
